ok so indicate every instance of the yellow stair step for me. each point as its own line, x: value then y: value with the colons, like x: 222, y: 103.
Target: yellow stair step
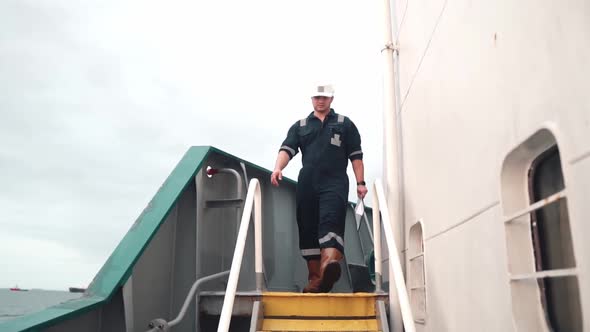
x: 285, y: 304
x: 270, y: 324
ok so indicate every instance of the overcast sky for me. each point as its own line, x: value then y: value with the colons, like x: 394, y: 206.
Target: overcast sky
x: 99, y: 100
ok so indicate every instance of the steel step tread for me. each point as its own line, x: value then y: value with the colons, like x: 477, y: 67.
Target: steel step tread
x: 272, y: 324
x: 282, y: 304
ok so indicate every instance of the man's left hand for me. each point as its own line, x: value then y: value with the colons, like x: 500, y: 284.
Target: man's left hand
x: 361, y: 191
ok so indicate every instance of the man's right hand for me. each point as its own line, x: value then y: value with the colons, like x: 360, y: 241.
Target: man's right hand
x: 275, y: 177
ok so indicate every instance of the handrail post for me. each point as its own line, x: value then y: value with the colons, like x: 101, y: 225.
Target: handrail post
x: 377, y: 245
x: 253, y: 196
x: 398, y: 286
x: 258, y: 238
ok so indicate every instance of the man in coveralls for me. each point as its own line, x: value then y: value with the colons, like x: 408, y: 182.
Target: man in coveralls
x: 327, y: 141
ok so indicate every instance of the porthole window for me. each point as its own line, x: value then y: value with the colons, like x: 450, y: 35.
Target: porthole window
x: 541, y: 260
x: 417, y: 276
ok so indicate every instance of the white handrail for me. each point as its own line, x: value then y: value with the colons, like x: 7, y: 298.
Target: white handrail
x: 187, y: 301
x: 394, y: 262
x: 252, y: 197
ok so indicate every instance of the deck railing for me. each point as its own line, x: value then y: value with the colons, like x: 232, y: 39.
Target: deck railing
x: 398, y: 286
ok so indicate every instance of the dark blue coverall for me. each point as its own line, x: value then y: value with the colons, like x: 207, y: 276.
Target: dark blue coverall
x: 322, y: 185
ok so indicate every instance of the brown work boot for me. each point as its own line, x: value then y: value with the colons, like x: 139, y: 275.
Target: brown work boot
x: 313, y: 266
x: 330, y: 268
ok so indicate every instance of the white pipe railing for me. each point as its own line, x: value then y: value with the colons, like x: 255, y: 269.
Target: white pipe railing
x: 160, y: 324
x: 402, y: 303
x: 253, y: 197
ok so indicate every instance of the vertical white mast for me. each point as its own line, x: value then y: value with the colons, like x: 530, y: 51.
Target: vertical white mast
x: 391, y: 144
x: 390, y: 130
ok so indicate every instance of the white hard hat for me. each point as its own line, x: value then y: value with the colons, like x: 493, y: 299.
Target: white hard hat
x: 323, y: 90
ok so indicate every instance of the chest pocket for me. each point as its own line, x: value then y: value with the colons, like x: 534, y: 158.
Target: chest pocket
x: 337, y: 134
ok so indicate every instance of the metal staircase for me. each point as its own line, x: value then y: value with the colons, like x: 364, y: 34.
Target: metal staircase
x: 287, y: 311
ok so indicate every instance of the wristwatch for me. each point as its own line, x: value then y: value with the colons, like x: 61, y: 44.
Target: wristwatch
x: 361, y: 183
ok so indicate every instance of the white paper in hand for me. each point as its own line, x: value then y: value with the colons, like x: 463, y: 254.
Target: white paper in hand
x: 360, y: 208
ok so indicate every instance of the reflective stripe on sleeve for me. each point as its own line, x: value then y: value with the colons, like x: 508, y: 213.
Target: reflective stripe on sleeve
x: 293, y: 152
x: 355, y: 153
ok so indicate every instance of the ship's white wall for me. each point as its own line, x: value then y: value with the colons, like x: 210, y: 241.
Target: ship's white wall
x: 476, y: 79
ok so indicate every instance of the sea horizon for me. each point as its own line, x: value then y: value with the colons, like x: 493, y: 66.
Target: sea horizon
x: 14, y: 304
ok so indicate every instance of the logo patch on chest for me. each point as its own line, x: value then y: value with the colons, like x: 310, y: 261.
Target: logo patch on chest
x: 335, y: 140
